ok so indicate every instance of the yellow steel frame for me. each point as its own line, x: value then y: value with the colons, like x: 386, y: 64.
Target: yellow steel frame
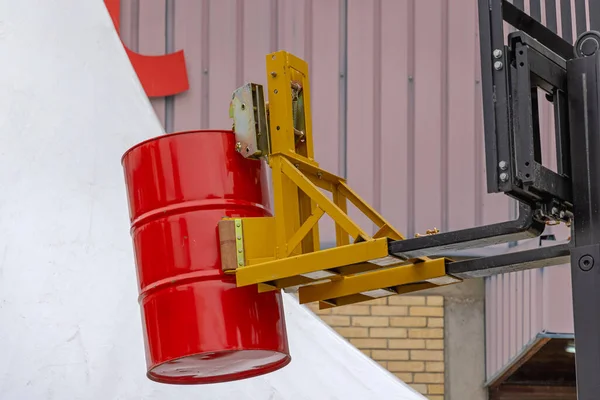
x: 283, y: 251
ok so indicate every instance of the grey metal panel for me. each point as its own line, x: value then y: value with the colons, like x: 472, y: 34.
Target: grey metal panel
x: 594, y: 14
x: 535, y: 9
x: 580, y: 16
x: 551, y: 21
x: 566, y: 20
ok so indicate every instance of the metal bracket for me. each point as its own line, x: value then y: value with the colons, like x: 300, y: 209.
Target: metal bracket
x: 528, y: 225
x: 249, y: 113
x: 239, y: 242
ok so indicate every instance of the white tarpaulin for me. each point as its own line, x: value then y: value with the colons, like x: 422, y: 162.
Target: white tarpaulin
x: 70, y: 106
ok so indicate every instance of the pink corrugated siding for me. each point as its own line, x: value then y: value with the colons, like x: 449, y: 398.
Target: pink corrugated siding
x: 397, y: 51
x: 396, y: 92
x: 189, y: 34
x: 152, y: 38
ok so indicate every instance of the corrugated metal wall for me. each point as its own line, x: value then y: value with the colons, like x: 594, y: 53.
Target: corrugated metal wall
x: 396, y: 109
x: 395, y: 85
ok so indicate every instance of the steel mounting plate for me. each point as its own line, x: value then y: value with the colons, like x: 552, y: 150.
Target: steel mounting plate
x: 248, y: 110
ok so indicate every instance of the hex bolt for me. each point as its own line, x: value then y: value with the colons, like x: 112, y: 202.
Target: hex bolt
x: 503, y: 165
x: 497, y: 53
x: 504, y: 177
x: 554, y: 210
x: 498, y: 65
x: 273, y: 74
x: 562, y: 214
x: 586, y: 262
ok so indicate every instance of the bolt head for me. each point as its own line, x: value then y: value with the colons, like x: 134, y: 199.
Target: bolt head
x: 498, y: 65
x: 503, y: 165
x: 554, y: 210
x: 504, y: 177
x: 497, y: 53
x: 589, y: 46
x: 586, y: 262
x: 273, y: 74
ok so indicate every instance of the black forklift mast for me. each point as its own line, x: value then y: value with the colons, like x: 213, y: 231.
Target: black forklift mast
x: 516, y: 66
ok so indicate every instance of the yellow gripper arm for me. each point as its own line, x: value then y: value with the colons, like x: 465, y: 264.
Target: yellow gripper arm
x: 282, y: 252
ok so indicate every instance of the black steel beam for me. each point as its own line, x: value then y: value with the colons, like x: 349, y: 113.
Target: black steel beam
x: 534, y: 28
x: 525, y: 227
x: 584, y: 116
x: 494, y: 84
x: 510, y: 262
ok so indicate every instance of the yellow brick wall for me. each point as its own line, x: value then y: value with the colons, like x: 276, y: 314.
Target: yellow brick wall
x: 405, y: 334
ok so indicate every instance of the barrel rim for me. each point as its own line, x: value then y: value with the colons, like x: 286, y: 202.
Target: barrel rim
x: 191, y: 206
x: 169, y: 135
x: 232, y: 377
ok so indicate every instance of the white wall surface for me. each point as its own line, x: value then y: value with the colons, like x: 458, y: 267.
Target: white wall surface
x: 70, y: 328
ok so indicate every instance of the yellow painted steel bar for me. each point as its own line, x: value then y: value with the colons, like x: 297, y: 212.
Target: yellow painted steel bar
x: 283, y: 69
x: 312, y: 262
x: 341, y: 237
x: 283, y: 212
x: 384, y: 278
x: 306, y: 227
x: 311, y: 168
x: 327, y: 205
x: 365, y: 209
x: 357, y: 298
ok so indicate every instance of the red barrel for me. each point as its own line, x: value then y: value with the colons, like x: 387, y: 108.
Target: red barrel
x: 198, y: 326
